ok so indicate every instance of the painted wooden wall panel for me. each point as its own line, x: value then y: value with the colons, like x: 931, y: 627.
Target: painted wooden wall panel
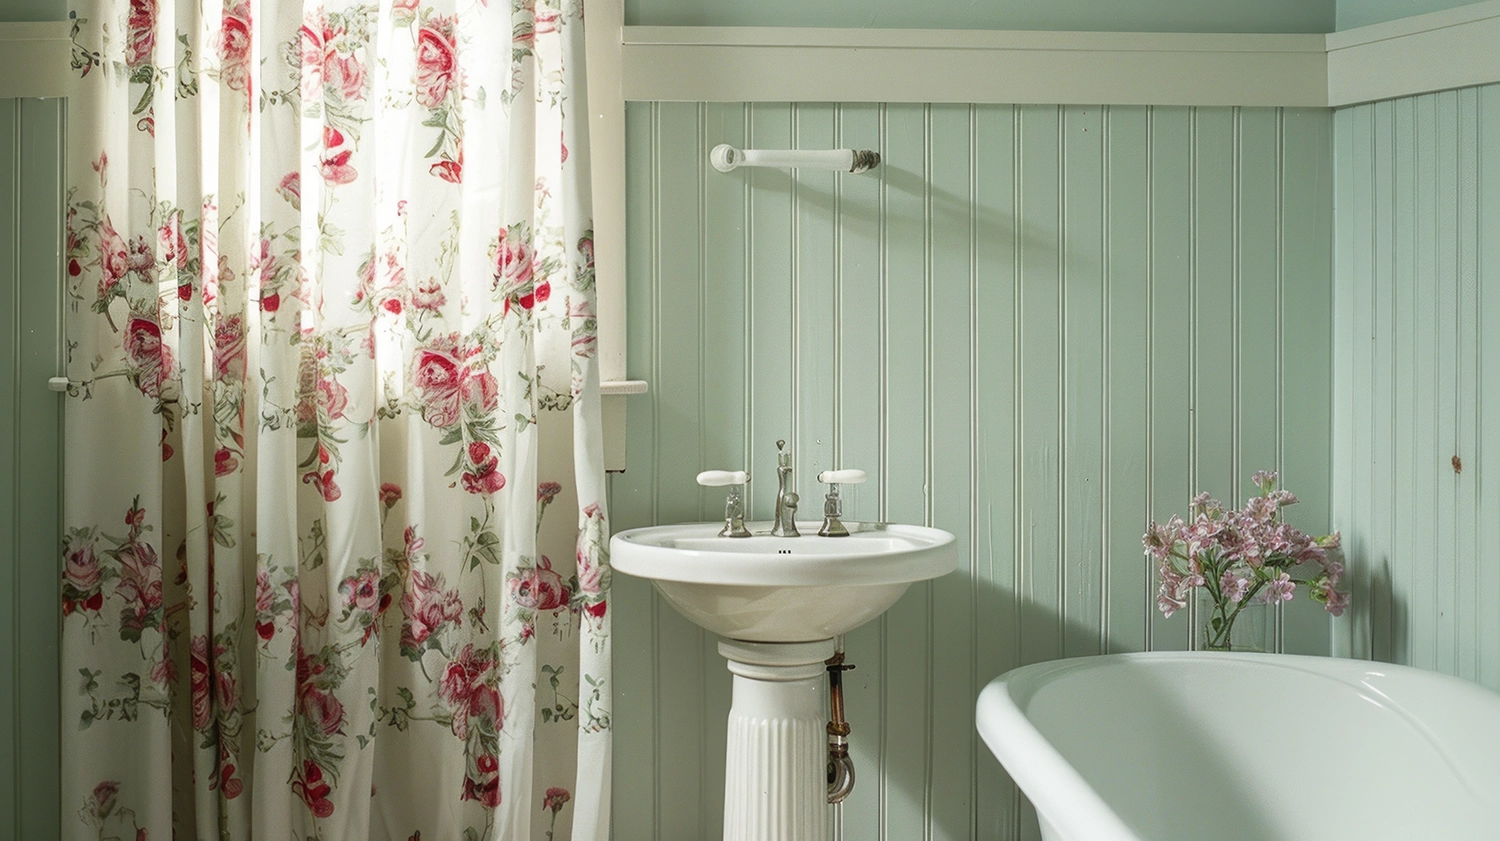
x: 31, y: 185
x: 1037, y: 327
x: 1417, y: 269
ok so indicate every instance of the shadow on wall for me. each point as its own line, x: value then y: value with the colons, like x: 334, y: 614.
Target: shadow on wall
x: 948, y: 209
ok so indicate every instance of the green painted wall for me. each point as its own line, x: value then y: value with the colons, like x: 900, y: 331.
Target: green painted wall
x: 1086, y: 15
x: 1036, y: 327
x: 31, y: 140
x: 15, y: 11
x: 1417, y: 418
x: 1352, y: 13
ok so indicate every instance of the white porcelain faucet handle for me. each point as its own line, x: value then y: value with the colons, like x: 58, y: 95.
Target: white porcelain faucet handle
x: 842, y: 477
x: 720, y: 478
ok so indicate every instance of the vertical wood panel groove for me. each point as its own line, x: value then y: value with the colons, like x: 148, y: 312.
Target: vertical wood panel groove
x: 1425, y: 528
x: 1189, y: 248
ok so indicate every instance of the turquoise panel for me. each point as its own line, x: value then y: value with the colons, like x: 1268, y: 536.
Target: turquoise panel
x: 1417, y: 410
x: 1352, y: 13
x: 31, y: 137
x: 1036, y: 327
x: 1081, y: 15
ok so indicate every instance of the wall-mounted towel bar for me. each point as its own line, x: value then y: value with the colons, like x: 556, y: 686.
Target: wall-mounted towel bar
x: 725, y: 158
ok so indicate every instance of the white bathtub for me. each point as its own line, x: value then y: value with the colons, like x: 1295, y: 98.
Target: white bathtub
x: 1172, y: 746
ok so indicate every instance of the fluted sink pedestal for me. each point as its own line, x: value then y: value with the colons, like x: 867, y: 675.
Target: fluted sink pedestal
x: 775, y: 774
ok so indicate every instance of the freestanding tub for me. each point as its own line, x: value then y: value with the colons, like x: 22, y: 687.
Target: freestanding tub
x: 1168, y: 746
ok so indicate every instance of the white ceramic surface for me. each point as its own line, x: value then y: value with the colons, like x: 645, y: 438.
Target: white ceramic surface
x: 1244, y: 747
x: 783, y: 589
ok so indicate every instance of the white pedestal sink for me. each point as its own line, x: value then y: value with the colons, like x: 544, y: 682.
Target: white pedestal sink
x: 779, y: 602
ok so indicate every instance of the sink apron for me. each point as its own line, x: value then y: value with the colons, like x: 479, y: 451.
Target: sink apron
x: 775, y: 775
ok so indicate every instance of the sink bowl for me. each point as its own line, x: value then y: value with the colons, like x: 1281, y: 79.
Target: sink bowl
x: 783, y: 589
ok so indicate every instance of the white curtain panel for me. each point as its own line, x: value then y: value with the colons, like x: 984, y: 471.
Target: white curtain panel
x: 331, y: 329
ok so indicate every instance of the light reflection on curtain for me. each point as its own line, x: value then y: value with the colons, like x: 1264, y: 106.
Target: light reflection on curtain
x: 332, y: 327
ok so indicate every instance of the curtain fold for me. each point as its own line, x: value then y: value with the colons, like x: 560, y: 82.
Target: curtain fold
x: 332, y: 337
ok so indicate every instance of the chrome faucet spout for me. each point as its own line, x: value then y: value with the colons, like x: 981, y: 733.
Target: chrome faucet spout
x: 786, y: 498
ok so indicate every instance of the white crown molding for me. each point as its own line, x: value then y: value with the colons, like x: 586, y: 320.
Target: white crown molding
x: 739, y: 64
x: 1454, y: 48
x: 35, y: 58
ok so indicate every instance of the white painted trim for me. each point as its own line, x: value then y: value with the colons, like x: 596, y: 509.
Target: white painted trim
x: 1454, y: 48
x: 739, y: 64
x: 35, y: 58
x: 607, y: 148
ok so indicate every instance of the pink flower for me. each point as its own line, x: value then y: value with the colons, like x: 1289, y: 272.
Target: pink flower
x: 199, y: 679
x: 540, y: 588
x: 547, y: 491
x: 513, y: 261
x: 164, y: 671
x: 81, y: 567
x: 466, y: 685
x: 334, y: 163
x: 480, y: 391
x: 224, y: 462
x: 171, y: 241
x: 1279, y: 589
x: 313, y: 790
x: 590, y: 573
x: 1334, y: 601
x: 321, y: 709
x: 325, y: 484
x: 140, y: 585
x: 290, y: 188
x: 362, y: 591
x: 555, y: 799
x: 150, y: 358
x: 403, y: 12
x: 234, y: 44
x: 333, y: 398
x: 390, y: 494
x: 229, y: 348
x: 436, y: 64
x: 438, y: 378
x: 114, y: 263
x: 429, y: 296
x: 347, y: 74
x: 102, y: 802
x: 1234, y: 586
x: 484, y: 788
x: 140, y: 39
x: 427, y: 607
x: 265, y: 606
x: 450, y: 169
x: 228, y: 694
x: 485, y: 477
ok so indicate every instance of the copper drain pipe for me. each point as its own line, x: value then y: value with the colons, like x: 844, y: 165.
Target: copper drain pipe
x: 840, y: 766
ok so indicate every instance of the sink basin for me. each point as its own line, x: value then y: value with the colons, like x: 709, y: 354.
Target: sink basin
x: 783, y: 589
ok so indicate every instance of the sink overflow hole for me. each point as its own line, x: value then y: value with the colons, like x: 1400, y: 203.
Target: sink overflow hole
x: 783, y: 551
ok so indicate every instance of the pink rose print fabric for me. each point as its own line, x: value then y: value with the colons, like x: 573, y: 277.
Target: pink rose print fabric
x: 327, y: 537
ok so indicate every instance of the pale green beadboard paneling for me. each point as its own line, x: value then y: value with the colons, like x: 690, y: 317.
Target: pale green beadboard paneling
x: 1418, y: 415
x: 31, y: 134
x: 1087, y: 15
x: 1036, y: 327
x: 16, y: 11
x: 1352, y: 13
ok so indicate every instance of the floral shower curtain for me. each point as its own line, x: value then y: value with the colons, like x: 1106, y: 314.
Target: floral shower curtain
x: 331, y: 332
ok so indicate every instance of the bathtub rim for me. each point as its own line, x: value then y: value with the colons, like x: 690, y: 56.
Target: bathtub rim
x: 1061, y: 795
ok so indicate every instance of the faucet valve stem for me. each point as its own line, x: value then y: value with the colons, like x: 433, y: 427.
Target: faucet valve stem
x: 786, y: 498
x: 833, y: 506
x: 734, y: 504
